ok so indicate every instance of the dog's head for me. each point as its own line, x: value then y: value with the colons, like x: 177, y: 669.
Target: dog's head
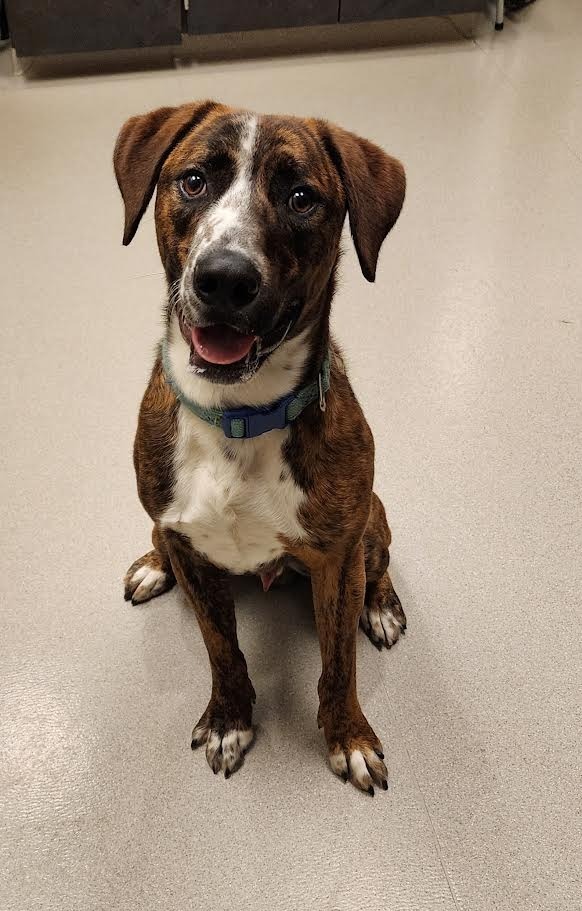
x: 249, y: 213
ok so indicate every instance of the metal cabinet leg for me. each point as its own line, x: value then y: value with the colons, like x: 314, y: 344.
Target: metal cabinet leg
x: 16, y: 65
x: 499, y: 14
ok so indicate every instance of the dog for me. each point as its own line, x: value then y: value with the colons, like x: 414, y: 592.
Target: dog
x: 252, y: 453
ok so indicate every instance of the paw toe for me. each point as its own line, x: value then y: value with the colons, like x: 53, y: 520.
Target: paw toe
x: 234, y: 745
x: 339, y: 764
x: 214, y: 752
x: 359, y: 773
x: 199, y: 736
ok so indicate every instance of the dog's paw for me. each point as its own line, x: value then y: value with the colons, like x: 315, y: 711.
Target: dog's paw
x: 382, y: 618
x: 147, y: 578
x: 226, y: 744
x: 381, y: 626
x: 355, y: 753
x: 361, y: 764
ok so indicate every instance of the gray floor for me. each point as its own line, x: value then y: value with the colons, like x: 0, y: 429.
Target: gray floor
x: 467, y: 356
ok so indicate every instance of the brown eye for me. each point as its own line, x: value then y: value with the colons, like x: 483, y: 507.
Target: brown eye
x: 193, y: 185
x: 302, y: 200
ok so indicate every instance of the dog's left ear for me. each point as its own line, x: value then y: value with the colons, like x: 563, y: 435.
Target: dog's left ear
x: 141, y: 149
x: 374, y: 184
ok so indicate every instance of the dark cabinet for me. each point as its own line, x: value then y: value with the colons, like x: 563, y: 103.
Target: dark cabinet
x: 61, y: 26
x: 366, y: 10
x: 206, y: 18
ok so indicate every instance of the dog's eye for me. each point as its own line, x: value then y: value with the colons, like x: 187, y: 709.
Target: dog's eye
x: 193, y: 184
x: 302, y: 200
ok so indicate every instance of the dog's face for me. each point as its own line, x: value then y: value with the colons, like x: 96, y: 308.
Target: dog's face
x: 249, y: 213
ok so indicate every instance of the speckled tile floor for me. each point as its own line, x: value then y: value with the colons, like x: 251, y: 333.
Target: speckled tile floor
x: 467, y: 356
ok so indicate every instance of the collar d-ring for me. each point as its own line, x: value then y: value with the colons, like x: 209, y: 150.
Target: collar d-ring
x: 322, y: 404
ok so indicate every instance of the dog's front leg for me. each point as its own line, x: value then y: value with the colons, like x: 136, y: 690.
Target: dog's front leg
x: 226, y: 725
x: 338, y: 592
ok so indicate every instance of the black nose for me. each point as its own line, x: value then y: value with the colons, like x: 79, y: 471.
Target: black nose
x: 226, y: 278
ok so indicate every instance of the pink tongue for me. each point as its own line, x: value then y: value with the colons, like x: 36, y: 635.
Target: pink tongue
x: 221, y: 344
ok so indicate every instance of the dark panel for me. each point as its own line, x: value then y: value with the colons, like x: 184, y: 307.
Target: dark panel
x: 366, y: 10
x: 61, y: 26
x: 214, y: 16
x: 3, y: 22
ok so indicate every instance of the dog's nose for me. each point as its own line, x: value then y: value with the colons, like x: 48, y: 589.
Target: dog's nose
x: 226, y: 278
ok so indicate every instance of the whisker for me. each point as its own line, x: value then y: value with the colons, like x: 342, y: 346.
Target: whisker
x: 175, y: 297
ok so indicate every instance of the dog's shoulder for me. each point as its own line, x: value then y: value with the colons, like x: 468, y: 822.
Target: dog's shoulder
x: 155, y: 441
x: 331, y: 456
x: 335, y: 441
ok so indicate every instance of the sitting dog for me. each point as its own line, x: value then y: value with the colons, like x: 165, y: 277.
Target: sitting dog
x: 252, y: 453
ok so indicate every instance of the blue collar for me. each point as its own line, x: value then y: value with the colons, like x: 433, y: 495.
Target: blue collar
x: 245, y: 423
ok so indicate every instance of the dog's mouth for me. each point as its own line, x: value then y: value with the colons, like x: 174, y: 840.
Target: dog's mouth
x: 225, y: 354
x: 220, y: 345
x: 221, y: 353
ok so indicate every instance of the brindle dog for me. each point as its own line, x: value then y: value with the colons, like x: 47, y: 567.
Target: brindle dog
x: 249, y: 213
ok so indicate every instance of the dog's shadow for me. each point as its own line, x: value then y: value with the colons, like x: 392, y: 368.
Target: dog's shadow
x: 279, y: 638
x: 277, y: 635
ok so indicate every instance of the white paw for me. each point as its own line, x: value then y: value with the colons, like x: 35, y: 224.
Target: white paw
x: 380, y: 625
x: 151, y: 583
x: 363, y: 768
x: 224, y: 752
x: 144, y: 581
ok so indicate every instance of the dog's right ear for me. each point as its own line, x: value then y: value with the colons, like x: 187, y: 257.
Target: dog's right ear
x: 141, y: 149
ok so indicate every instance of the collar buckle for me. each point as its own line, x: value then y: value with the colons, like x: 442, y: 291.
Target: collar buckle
x: 245, y: 423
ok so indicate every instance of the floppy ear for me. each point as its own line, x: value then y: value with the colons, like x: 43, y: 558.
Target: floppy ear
x: 374, y: 184
x: 141, y: 149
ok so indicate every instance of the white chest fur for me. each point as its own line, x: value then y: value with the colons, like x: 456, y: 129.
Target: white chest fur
x: 233, y: 498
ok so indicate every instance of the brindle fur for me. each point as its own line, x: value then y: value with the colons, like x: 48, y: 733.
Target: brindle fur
x: 329, y: 453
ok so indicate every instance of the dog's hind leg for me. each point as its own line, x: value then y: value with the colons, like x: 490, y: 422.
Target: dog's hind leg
x: 151, y: 575
x: 382, y: 618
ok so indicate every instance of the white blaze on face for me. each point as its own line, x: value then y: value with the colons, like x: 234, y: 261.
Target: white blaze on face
x: 229, y: 221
